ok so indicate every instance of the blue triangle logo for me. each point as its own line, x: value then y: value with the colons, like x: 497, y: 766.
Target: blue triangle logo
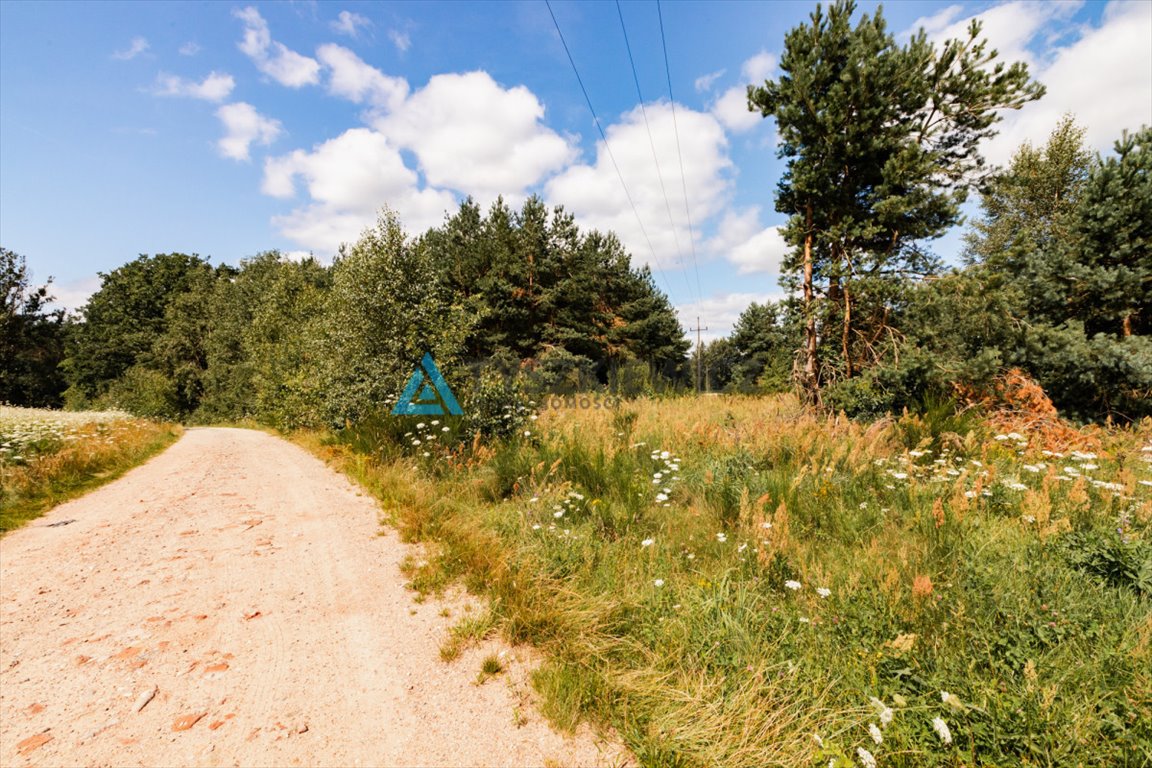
x: 427, y: 393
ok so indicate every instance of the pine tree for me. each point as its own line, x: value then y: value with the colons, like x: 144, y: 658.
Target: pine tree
x: 882, y: 145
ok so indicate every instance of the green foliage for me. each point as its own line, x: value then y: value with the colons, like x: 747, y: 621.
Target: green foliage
x: 495, y: 408
x: 31, y: 337
x: 537, y: 286
x: 882, y: 142
x: 1060, y: 279
x: 124, y: 319
x: 146, y: 392
x: 558, y: 371
x: 1119, y: 559
x: 386, y: 309
x: 764, y: 339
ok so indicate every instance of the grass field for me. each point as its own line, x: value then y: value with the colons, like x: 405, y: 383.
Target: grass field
x: 47, y: 457
x: 729, y: 581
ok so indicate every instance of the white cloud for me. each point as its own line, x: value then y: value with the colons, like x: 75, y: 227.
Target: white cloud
x: 348, y: 23
x: 935, y: 23
x: 274, y: 59
x: 214, y: 87
x: 758, y: 68
x: 593, y: 193
x: 348, y: 179
x: 401, y: 40
x: 352, y: 79
x: 74, y: 294
x: 138, y: 46
x: 472, y: 135
x: 731, y: 108
x: 243, y: 125
x: 190, y: 48
x: 719, y: 312
x: 1009, y: 27
x: 748, y: 245
x: 704, y: 82
x: 1103, y: 77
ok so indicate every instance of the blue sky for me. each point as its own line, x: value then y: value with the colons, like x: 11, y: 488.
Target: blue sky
x: 226, y: 129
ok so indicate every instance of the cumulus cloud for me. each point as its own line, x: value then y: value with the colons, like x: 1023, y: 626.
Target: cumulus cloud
x: 401, y: 40
x: 719, y: 312
x: 348, y: 179
x: 214, y: 87
x: 243, y: 125
x: 273, y: 58
x: 1009, y: 27
x: 1103, y: 77
x: 467, y: 134
x: 759, y: 68
x: 349, y: 23
x: 594, y: 194
x: 138, y: 46
x: 731, y: 108
x: 1101, y: 73
x: 350, y: 78
x: 704, y: 82
x: 472, y: 135
x: 747, y: 244
x: 190, y: 48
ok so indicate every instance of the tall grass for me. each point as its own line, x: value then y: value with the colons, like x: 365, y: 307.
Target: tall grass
x: 47, y: 457
x: 732, y: 581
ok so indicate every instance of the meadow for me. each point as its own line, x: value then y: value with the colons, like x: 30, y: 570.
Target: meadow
x: 735, y: 581
x: 48, y: 456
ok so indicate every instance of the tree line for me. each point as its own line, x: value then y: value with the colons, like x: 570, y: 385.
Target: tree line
x: 882, y: 147
x: 519, y: 294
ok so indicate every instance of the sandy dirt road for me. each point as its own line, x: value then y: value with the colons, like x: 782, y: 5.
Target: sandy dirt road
x: 247, y: 585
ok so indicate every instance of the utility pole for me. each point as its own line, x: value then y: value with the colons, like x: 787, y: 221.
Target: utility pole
x: 699, y: 354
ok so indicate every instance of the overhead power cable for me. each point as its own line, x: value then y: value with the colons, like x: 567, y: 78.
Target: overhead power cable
x: 679, y: 153
x: 652, y: 144
x: 607, y: 146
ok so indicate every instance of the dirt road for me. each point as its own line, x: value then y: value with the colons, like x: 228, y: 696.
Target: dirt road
x: 249, y: 587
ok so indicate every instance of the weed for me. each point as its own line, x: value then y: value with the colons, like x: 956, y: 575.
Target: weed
x: 722, y: 578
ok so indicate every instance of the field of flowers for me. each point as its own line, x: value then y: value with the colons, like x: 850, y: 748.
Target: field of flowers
x: 730, y: 581
x: 49, y: 456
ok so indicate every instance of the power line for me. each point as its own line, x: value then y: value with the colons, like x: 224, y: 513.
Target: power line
x: 607, y: 146
x: 679, y: 154
x: 652, y: 144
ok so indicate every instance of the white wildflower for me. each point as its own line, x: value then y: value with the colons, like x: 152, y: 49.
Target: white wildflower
x: 866, y: 758
x: 792, y: 584
x: 882, y: 710
x: 659, y: 582
x: 874, y: 732
x: 823, y: 592
x: 647, y: 542
x: 941, y: 729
